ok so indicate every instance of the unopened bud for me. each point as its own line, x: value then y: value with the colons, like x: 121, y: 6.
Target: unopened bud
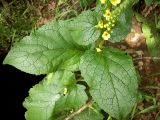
x: 113, y: 21
x: 108, y: 28
x: 109, y: 23
x: 113, y: 25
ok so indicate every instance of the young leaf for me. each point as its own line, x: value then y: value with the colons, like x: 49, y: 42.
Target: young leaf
x: 112, y: 79
x: 122, y: 26
x: 49, y: 48
x: 83, y: 28
x: 49, y: 93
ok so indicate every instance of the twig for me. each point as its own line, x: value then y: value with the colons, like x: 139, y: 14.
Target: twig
x: 141, y: 58
x: 151, y: 87
x: 79, y: 110
x: 157, y: 115
x: 4, y: 3
x: 150, y: 9
x: 147, y: 10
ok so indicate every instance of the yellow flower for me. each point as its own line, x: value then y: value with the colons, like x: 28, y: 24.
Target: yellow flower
x: 106, y: 35
x: 100, y: 24
x: 98, y: 50
x: 65, y: 91
x: 115, y: 2
x: 107, y: 14
x: 103, y: 1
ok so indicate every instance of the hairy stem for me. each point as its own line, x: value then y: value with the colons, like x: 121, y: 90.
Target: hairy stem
x: 123, y: 6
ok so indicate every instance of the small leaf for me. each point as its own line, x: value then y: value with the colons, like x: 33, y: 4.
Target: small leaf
x: 112, y: 79
x: 122, y: 26
x: 45, y: 96
x: 83, y: 28
x: 49, y: 48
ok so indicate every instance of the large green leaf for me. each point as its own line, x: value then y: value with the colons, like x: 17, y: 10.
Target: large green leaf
x: 49, y: 93
x: 49, y: 48
x: 112, y: 79
x: 83, y: 27
x: 122, y: 26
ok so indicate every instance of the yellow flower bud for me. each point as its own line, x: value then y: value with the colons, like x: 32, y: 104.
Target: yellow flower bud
x: 100, y: 24
x: 108, y: 28
x: 115, y: 2
x: 113, y: 25
x: 103, y: 1
x: 71, y: 111
x: 106, y: 25
x: 106, y: 35
x: 98, y: 50
x: 113, y: 21
x: 65, y: 91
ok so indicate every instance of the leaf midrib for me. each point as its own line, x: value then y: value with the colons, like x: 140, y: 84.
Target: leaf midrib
x: 107, y: 66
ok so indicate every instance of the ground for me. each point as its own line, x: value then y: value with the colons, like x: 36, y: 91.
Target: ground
x: 18, y: 18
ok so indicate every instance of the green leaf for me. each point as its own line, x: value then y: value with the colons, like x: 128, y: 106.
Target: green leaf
x: 47, y: 97
x: 74, y: 99
x: 152, y: 40
x: 49, y: 48
x: 83, y: 28
x: 112, y: 79
x: 158, y: 25
x: 122, y: 26
x: 91, y: 113
x: 148, y: 2
x: 85, y: 3
x: 152, y: 37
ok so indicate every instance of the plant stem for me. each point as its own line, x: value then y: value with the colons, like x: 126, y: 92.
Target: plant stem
x: 125, y: 4
x: 79, y: 110
x: 4, y: 3
x: 133, y: 112
x: 151, y: 87
x: 141, y: 58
